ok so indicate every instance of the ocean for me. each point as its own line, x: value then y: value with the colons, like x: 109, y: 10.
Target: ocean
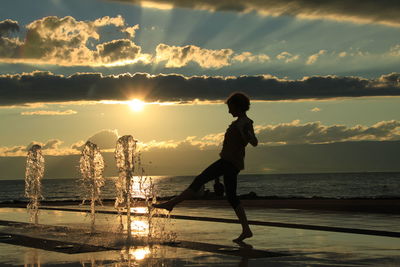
x: 327, y: 185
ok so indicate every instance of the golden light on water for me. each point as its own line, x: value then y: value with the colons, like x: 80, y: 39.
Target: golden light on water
x: 140, y: 228
x: 136, y: 188
x: 139, y: 210
x: 136, y: 105
x: 139, y: 187
x: 140, y: 253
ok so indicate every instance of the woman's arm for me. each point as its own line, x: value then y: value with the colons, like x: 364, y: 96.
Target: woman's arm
x: 247, y: 132
x: 250, y: 135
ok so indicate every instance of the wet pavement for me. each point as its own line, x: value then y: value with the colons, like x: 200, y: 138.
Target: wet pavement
x: 199, y: 243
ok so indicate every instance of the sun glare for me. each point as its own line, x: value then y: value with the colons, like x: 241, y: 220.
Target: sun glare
x: 136, y: 105
x: 140, y: 253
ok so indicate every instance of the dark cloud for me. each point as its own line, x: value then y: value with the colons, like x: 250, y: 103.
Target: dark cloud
x: 8, y: 46
x: 7, y: 26
x: 116, y: 50
x: 47, y: 87
x: 359, y: 11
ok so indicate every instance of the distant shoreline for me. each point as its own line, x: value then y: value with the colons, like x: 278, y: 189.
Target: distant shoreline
x: 363, y: 205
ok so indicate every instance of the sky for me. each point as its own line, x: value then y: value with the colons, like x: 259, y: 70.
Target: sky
x: 323, y: 78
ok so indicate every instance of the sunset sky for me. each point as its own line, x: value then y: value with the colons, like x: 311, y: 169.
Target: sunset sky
x: 324, y: 78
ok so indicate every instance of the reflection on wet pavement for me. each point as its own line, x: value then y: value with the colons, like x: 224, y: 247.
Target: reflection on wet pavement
x: 303, y: 247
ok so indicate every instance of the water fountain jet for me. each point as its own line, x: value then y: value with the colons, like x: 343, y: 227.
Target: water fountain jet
x: 125, y: 160
x: 91, y: 168
x: 133, y: 183
x: 34, y: 171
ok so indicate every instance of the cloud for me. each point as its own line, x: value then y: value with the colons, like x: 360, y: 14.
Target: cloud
x: 317, y: 133
x: 313, y: 58
x: 68, y: 42
x: 39, y: 87
x: 131, y: 31
x: 357, y: 11
x: 8, y: 45
x: 8, y: 26
x: 292, y: 133
x: 13, y: 151
x: 49, y: 112
x: 364, y: 156
x: 284, y: 147
x: 104, y: 139
x: 118, y: 21
x: 248, y: 56
x: 78, y: 146
x: 50, y: 147
x: 395, y: 51
x: 352, y: 52
x: 179, y: 56
x: 190, y: 143
x: 52, y: 144
x: 118, y: 50
x: 287, y: 57
x: 392, y: 79
x: 60, y: 40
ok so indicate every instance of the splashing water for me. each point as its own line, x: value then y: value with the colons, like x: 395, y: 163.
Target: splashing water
x: 134, y: 185
x: 148, y: 192
x: 34, y: 172
x: 125, y: 160
x: 91, y: 168
x: 158, y: 227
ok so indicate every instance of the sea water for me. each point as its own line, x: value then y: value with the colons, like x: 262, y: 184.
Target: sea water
x: 329, y: 185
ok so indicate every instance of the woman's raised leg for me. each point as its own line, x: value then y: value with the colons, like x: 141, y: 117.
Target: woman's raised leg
x: 212, y: 172
x: 170, y: 204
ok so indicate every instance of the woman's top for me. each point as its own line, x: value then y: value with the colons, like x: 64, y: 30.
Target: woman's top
x: 235, y: 141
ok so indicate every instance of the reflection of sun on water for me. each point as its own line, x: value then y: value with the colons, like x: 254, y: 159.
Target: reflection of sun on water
x: 136, y: 105
x: 140, y: 228
x: 140, y: 253
x: 136, y: 188
x: 139, y: 210
x: 139, y: 187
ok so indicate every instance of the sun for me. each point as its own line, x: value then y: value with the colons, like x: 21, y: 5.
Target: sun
x: 136, y: 105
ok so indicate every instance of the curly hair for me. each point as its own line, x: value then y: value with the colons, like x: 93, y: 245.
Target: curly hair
x: 240, y: 100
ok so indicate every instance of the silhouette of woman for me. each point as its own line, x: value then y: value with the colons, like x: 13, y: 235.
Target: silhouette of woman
x: 239, y: 133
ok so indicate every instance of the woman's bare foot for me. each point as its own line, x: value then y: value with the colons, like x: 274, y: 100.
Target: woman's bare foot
x: 243, y: 235
x: 166, y: 205
x: 244, y: 245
